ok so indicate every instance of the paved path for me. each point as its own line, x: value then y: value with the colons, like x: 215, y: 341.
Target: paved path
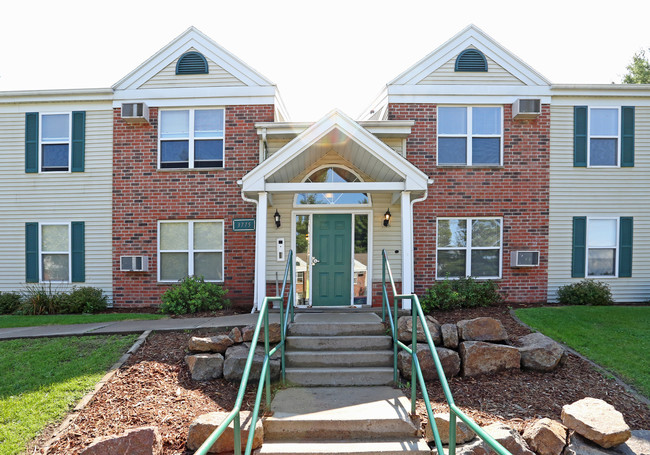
x: 133, y: 326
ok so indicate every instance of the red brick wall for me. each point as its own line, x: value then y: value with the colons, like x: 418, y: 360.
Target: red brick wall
x: 518, y: 192
x: 143, y: 195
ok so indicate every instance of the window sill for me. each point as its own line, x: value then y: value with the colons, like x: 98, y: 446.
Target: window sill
x: 453, y: 278
x: 473, y: 167
x: 187, y: 169
x: 169, y: 283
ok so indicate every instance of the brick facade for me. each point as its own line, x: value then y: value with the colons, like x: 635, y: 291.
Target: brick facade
x: 518, y: 191
x: 144, y: 195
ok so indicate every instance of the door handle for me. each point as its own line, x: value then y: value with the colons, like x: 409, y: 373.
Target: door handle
x: 314, y: 261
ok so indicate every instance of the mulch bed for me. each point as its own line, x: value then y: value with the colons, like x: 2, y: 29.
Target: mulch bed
x: 154, y: 388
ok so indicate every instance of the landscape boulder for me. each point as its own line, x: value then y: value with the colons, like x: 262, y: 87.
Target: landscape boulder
x: 463, y: 432
x: 539, y: 352
x: 235, y: 335
x: 204, y: 367
x: 597, y: 421
x: 479, y: 357
x: 138, y: 441
x: 504, y: 435
x: 205, y: 424
x: 217, y: 343
x: 546, y: 437
x: 233, y: 366
x: 580, y: 446
x: 274, y: 333
x: 638, y: 444
x: 449, y: 334
x: 405, y: 330
x: 482, y: 329
x: 449, y: 360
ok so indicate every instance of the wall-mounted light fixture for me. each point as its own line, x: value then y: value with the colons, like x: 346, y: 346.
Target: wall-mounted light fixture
x: 276, y: 217
x: 387, y: 218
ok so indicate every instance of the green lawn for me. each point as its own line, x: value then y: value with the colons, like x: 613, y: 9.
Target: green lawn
x: 615, y: 337
x: 42, y: 379
x: 7, y: 321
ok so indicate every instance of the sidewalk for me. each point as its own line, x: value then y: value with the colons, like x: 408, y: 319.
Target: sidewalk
x: 134, y: 326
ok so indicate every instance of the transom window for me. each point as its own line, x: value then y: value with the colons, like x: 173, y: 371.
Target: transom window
x: 55, y: 142
x: 55, y: 252
x: 187, y: 248
x: 469, y: 247
x: 604, y: 141
x: 332, y: 174
x: 602, y: 246
x: 191, y: 138
x: 471, y: 136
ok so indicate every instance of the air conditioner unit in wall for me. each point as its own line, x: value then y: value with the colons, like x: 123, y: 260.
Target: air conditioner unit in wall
x: 524, y: 259
x: 134, y: 263
x: 135, y: 112
x: 526, y: 108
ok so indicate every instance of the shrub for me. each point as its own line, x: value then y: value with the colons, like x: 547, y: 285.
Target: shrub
x: 41, y: 299
x: 461, y: 293
x: 193, y: 294
x: 585, y: 292
x: 84, y: 299
x: 9, y: 302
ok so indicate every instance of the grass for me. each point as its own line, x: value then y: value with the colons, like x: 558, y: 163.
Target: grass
x: 615, y: 337
x: 7, y: 321
x: 41, y: 379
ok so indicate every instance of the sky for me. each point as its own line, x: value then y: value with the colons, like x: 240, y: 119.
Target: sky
x: 321, y: 54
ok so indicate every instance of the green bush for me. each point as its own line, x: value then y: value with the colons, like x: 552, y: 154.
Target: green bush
x: 461, y: 293
x: 9, y: 302
x: 41, y: 299
x: 84, y: 299
x: 585, y: 292
x: 193, y: 294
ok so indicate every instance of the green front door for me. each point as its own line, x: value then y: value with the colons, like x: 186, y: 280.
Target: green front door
x: 332, y: 259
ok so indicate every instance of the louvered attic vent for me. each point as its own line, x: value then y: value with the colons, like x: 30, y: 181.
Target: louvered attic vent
x: 471, y: 60
x: 192, y: 63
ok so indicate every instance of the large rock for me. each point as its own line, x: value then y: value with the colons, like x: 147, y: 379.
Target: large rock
x: 218, y: 343
x: 405, y: 330
x: 205, y: 424
x: 638, y: 444
x: 504, y: 435
x: 479, y: 357
x: 274, y: 333
x: 235, y: 335
x: 580, y: 446
x: 539, y: 352
x: 546, y: 437
x: 449, y: 359
x: 138, y: 441
x: 463, y: 432
x: 482, y: 329
x: 233, y: 367
x: 449, y: 335
x: 597, y: 421
x: 204, y: 367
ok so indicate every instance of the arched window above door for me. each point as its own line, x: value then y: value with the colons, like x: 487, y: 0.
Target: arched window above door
x: 334, y: 175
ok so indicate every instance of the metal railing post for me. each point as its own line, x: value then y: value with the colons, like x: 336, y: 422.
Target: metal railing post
x: 452, y: 432
x: 395, y: 374
x: 414, y: 348
x: 237, y: 434
x: 383, y: 287
x: 266, y: 351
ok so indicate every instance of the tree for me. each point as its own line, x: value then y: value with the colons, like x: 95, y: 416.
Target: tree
x: 638, y: 72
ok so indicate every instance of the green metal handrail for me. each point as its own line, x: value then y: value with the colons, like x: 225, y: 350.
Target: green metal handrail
x: 417, y: 313
x: 265, y: 373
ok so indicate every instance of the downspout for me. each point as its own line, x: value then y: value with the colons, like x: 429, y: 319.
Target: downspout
x: 253, y: 201
x: 421, y: 199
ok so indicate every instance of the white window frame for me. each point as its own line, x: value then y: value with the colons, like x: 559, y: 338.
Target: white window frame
x: 615, y: 247
x: 297, y: 204
x: 190, y: 248
x: 191, y: 139
x: 468, y: 247
x: 618, y: 137
x: 41, y: 143
x: 468, y: 136
x: 41, y: 252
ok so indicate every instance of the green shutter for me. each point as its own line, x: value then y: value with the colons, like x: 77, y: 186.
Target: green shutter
x: 31, y: 142
x: 625, y: 247
x: 78, y: 252
x: 580, y: 136
x: 78, y: 140
x: 627, y: 141
x: 31, y: 253
x: 579, y: 246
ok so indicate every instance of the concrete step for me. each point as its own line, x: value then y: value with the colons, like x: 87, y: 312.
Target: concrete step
x: 340, y: 376
x: 351, y: 447
x: 340, y: 343
x: 343, y: 359
x: 336, y: 328
x: 331, y: 413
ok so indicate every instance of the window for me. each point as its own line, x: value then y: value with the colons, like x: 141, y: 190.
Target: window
x: 470, y: 136
x: 191, y: 138
x: 602, y: 244
x: 602, y: 247
x: 604, y: 136
x: 55, y: 142
x: 332, y: 175
x: 55, y: 252
x: 469, y: 247
x: 190, y: 248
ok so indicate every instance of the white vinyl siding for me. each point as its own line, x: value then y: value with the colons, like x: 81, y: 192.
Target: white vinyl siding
x: 599, y: 193
x: 57, y: 197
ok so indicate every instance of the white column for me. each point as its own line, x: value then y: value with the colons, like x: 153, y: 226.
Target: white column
x: 407, y: 246
x: 260, y: 249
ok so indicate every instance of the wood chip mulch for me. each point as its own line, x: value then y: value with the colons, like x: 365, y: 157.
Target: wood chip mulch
x: 154, y: 388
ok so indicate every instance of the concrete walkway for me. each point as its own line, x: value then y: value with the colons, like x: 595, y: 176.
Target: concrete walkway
x: 133, y: 326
